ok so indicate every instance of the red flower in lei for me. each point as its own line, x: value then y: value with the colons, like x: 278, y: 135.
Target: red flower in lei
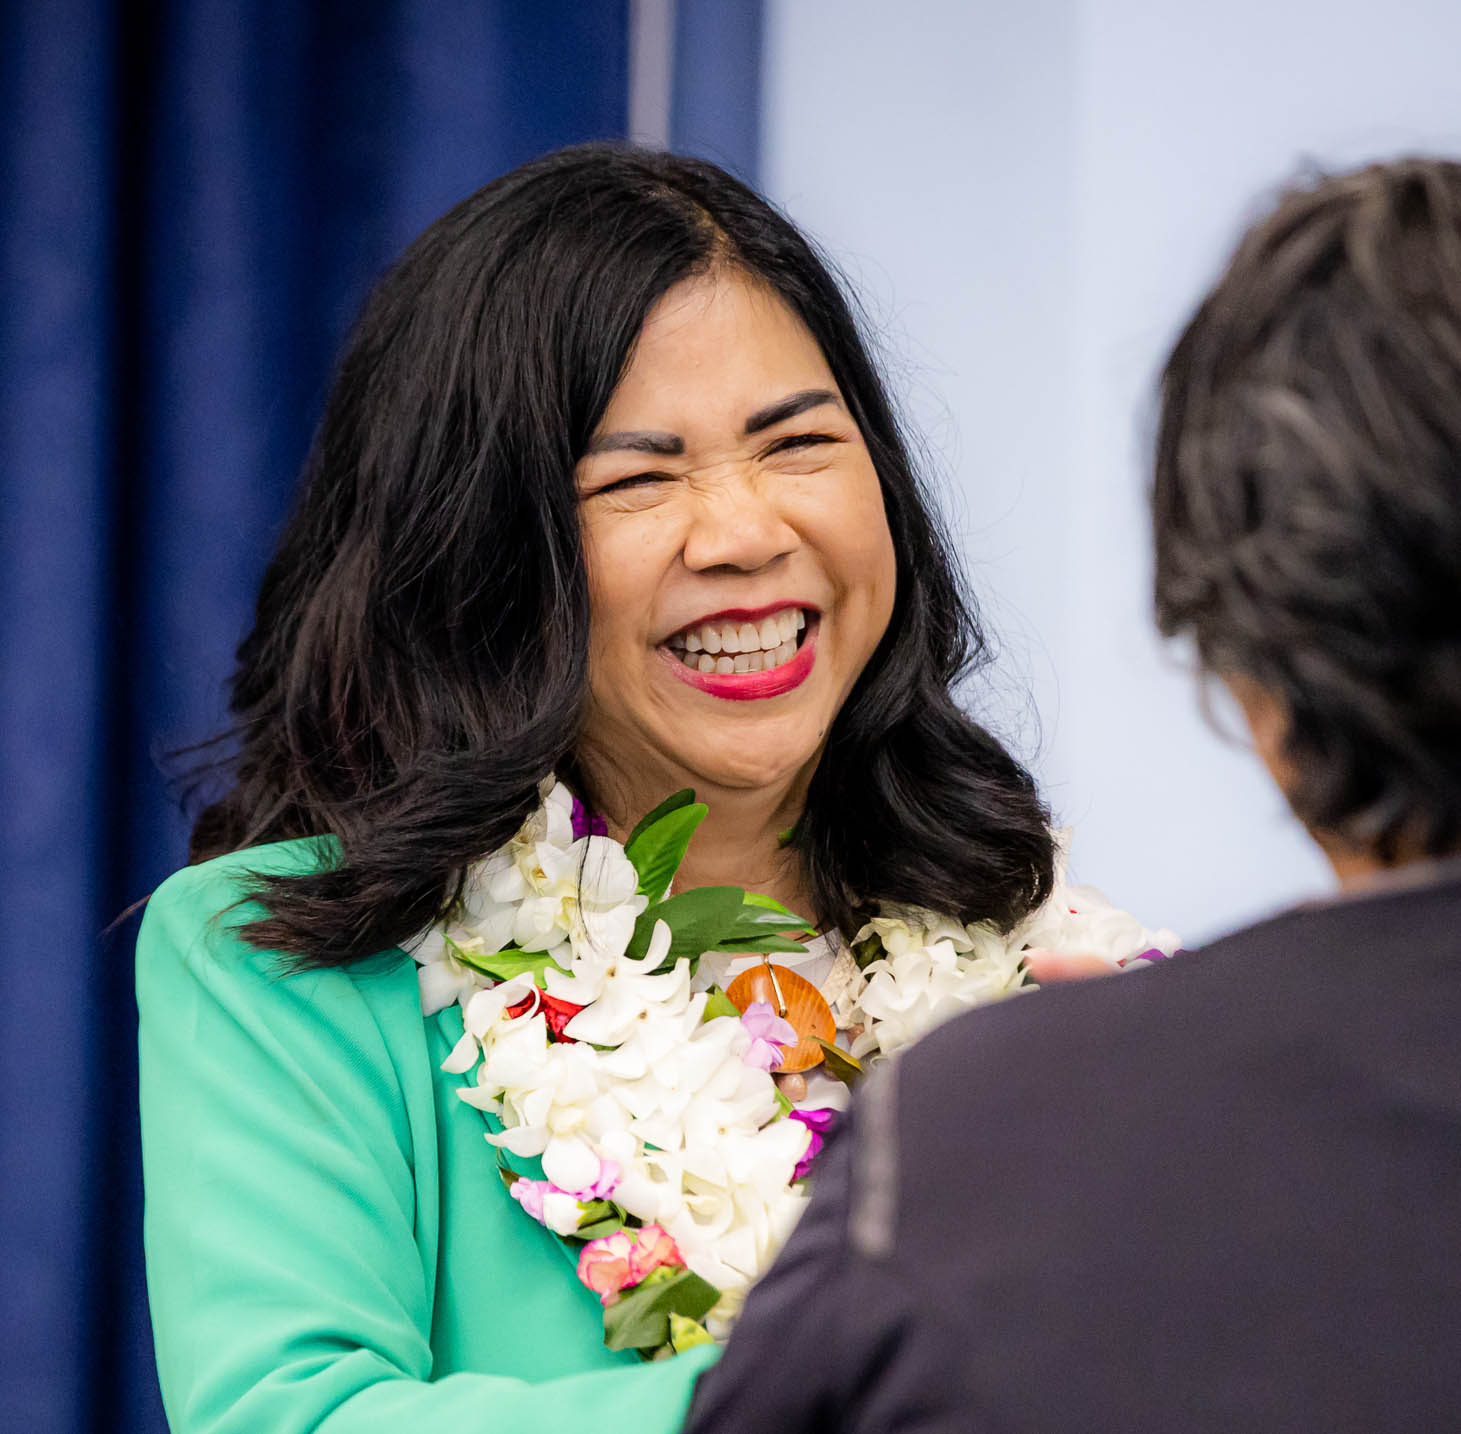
x: 557, y: 1013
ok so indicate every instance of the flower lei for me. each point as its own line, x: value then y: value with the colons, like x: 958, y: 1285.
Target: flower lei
x: 670, y: 1160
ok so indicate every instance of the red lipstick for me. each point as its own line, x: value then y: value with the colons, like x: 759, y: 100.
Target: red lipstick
x: 750, y: 686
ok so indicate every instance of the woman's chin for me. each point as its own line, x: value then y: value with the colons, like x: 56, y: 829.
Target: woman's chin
x: 744, y: 771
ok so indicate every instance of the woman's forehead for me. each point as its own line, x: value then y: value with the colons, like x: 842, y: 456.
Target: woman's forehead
x: 717, y: 352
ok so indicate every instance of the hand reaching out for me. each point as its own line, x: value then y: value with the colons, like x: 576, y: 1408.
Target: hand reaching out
x: 1047, y: 967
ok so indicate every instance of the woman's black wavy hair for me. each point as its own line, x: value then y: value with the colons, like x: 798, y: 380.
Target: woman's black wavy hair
x: 418, y: 657
x: 1307, y: 497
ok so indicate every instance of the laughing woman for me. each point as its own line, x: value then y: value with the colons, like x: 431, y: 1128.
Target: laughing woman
x: 608, y: 487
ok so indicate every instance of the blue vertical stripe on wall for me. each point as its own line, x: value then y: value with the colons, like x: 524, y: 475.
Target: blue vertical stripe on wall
x: 715, y: 102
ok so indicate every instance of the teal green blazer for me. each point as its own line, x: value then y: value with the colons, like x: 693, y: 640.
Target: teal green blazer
x: 329, y: 1245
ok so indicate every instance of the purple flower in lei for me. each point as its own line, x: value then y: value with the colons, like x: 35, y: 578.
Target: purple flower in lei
x: 530, y: 1194
x: 1145, y: 958
x: 819, y: 1122
x: 587, y: 823
x: 769, y: 1033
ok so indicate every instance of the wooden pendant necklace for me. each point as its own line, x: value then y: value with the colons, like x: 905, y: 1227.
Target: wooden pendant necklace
x: 797, y: 1002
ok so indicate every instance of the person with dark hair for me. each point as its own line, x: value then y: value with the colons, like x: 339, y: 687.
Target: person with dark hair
x: 606, y: 487
x: 1223, y: 1193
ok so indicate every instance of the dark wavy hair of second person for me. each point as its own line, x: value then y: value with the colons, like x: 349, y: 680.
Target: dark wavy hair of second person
x: 418, y: 657
x: 1308, y: 470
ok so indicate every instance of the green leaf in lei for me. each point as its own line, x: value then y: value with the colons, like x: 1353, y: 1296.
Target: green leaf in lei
x: 682, y: 798
x: 767, y: 903
x: 839, y: 1064
x: 713, y: 918
x: 753, y: 919
x: 658, y: 849
x: 600, y: 1217
x: 717, y: 1003
x: 640, y: 1318
x: 687, y: 1333
x: 868, y: 950
x: 760, y: 926
x: 760, y: 945
x: 596, y: 1210
x: 505, y: 964
x: 697, y: 920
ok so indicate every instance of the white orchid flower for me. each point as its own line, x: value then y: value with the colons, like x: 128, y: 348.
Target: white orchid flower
x: 544, y: 888
x: 1081, y: 920
x: 633, y: 997
x: 908, y: 994
x: 910, y: 928
x: 442, y: 978
x: 590, y: 966
x: 547, y: 1095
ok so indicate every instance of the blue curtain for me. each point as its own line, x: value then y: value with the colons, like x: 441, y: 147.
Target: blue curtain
x: 197, y: 196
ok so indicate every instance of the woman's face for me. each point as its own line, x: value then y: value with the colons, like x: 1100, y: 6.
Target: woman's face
x: 740, y: 567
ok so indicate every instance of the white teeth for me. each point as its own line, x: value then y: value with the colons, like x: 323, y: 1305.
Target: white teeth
x: 742, y: 663
x: 769, y: 635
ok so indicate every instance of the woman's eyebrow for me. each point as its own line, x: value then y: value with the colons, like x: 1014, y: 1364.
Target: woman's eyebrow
x: 671, y: 445
x: 789, y: 407
x: 668, y: 445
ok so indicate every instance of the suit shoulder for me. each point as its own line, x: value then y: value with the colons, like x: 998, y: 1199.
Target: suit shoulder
x: 1176, y: 1012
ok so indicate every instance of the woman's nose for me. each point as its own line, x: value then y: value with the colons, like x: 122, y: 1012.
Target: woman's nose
x: 738, y: 527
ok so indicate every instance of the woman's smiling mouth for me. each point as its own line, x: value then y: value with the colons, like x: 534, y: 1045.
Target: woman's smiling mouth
x: 746, y: 655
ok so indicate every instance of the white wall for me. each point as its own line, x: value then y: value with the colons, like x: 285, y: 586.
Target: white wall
x: 1031, y: 197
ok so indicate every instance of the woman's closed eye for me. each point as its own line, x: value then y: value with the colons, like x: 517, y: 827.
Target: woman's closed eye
x: 631, y: 482
x: 794, y: 441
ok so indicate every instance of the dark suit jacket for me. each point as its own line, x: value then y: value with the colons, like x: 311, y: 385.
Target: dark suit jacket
x: 1220, y: 1194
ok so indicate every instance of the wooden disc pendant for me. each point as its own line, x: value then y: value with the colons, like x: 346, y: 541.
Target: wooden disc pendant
x: 797, y: 1002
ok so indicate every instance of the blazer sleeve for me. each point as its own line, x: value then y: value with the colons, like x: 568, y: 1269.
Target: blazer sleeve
x: 287, y: 1290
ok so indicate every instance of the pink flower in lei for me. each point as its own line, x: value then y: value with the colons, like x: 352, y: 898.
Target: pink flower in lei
x: 769, y: 1035
x: 604, y: 1264
x: 612, y: 1263
x: 655, y: 1248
